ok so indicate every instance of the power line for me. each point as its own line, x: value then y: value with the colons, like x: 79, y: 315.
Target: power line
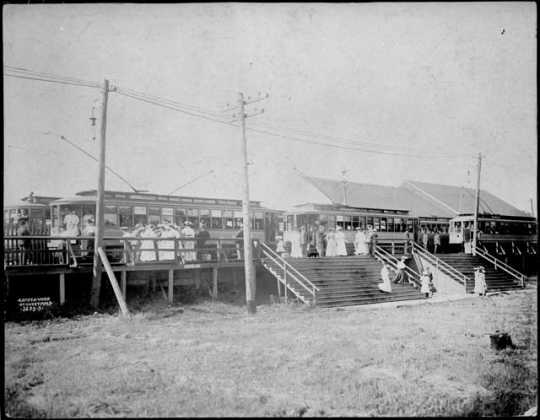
x: 205, y: 114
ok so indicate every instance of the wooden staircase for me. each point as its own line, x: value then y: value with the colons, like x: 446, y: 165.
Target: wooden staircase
x: 496, y: 280
x: 351, y: 280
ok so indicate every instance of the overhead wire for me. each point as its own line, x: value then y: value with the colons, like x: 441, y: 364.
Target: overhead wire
x: 208, y: 115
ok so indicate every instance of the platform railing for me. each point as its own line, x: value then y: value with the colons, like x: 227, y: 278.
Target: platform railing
x: 75, y: 251
x: 384, y: 256
x: 287, y: 274
x: 441, y: 265
x: 498, y: 264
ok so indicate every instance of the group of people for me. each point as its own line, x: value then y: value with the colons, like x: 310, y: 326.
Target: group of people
x: 424, y: 238
x: 145, y: 248
x: 320, y: 242
x: 427, y: 287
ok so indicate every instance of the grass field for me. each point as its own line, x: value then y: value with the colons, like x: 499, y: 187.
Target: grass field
x: 211, y: 359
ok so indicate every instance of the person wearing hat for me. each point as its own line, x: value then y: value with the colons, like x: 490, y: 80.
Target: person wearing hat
x: 480, y: 286
x: 340, y: 242
x: 427, y: 282
x: 401, y: 275
x: 280, y: 245
x: 88, y: 230
x: 188, y: 233
x: 386, y: 285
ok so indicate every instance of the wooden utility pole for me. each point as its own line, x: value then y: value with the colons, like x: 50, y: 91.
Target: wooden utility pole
x: 97, y: 269
x: 477, y: 204
x: 249, y: 271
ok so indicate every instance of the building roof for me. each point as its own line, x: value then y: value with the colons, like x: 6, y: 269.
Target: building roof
x: 461, y: 200
x: 421, y: 199
x: 379, y: 197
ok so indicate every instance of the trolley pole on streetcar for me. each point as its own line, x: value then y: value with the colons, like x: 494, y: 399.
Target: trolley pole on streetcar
x: 97, y: 270
x: 249, y: 270
x: 477, y: 204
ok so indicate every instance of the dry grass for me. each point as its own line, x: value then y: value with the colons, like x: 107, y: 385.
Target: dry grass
x: 213, y: 360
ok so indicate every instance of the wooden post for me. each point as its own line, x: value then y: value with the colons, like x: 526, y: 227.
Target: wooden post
x: 197, y: 275
x: 214, y: 283
x: 246, y: 225
x: 285, y: 280
x: 114, y: 283
x: 62, y: 288
x: 278, y: 288
x: 96, y: 270
x: 123, y: 280
x: 476, y: 205
x: 170, y: 289
x: 393, y: 247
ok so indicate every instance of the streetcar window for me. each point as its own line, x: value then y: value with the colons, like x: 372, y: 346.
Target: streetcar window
x: 258, y: 221
x: 390, y: 225
x: 370, y: 221
x: 6, y: 216
x: 216, y: 221
x: 410, y: 225
x: 167, y: 215
x: 110, y: 216
x: 179, y: 217
x: 290, y: 222
x: 139, y: 215
x: 204, y: 215
x: 154, y: 215
x: 228, y: 219
x: 376, y: 223
x: 397, y: 224
x: 193, y: 216
x: 238, y: 219
x: 331, y: 220
x: 124, y: 215
x: 344, y: 221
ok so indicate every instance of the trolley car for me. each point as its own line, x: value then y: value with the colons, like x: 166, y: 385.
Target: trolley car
x: 221, y: 217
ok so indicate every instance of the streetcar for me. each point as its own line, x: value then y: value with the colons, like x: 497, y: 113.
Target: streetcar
x: 35, y: 209
x: 221, y: 217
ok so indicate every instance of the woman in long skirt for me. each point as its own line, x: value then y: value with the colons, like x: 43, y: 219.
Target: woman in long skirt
x: 331, y: 244
x: 480, y: 286
x: 296, y: 249
x: 340, y: 241
x: 426, y: 283
x: 386, y: 285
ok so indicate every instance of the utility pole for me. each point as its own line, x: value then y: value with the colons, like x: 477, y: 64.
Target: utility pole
x: 97, y: 269
x: 532, y: 206
x: 249, y: 269
x: 477, y: 204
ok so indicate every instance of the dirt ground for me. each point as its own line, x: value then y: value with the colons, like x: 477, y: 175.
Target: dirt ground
x: 212, y: 359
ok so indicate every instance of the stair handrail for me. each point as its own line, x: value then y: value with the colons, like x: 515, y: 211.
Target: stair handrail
x: 500, y: 264
x: 387, y: 257
x: 291, y: 271
x: 434, y: 260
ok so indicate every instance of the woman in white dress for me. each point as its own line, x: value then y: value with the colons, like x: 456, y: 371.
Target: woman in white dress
x: 296, y: 249
x: 331, y: 244
x: 480, y: 286
x: 426, y: 280
x: 147, y: 244
x: 360, y: 242
x: 340, y: 242
x: 386, y: 285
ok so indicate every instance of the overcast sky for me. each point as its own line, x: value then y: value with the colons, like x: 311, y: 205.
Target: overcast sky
x: 439, y: 80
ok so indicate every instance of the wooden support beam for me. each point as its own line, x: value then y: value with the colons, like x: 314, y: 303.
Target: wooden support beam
x: 123, y: 280
x: 197, y: 275
x: 114, y: 283
x: 214, y: 283
x: 62, y: 288
x: 170, y: 289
